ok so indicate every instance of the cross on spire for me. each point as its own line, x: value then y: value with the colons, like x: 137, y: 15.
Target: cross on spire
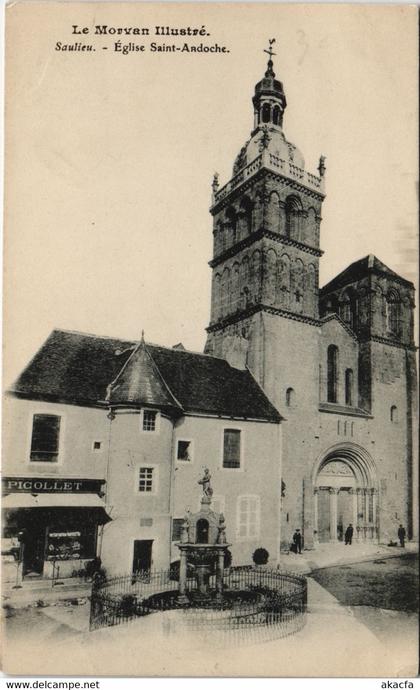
x: 270, y: 50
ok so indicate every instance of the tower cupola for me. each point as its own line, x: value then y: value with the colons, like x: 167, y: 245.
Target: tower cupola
x: 269, y: 100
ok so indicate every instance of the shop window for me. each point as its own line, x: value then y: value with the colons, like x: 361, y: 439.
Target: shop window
x: 332, y: 357
x: 248, y: 517
x: 184, y: 451
x: 45, y: 438
x: 146, y: 480
x: 232, y: 448
x: 349, y: 386
x: 394, y: 414
x: 149, y: 420
x: 73, y: 542
x: 177, y: 528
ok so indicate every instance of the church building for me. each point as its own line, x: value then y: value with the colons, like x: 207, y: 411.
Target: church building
x: 302, y: 407
x: 337, y: 362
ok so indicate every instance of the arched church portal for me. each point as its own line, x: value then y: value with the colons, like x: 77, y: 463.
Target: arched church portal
x: 345, y: 492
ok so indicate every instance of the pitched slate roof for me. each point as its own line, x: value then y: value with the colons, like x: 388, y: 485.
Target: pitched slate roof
x: 84, y: 369
x: 359, y: 269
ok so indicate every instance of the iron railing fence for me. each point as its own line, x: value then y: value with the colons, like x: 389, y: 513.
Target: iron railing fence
x: 257, y: 603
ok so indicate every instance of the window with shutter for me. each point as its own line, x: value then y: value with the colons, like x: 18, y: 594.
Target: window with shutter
x: 248, y: 517
x: 176, y: 528
x: 45, y: 438
x: 232, y: 448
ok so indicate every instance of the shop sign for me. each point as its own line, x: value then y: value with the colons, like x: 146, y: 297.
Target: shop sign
x: 62, y: 485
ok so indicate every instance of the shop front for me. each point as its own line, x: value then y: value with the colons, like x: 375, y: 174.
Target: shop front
x: 51, y: 525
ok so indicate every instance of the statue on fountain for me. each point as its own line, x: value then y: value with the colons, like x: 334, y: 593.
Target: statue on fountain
x: 202, y: 548
x: 205, y: 483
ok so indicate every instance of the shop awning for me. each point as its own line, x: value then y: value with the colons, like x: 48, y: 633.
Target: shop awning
x: 46, y: 500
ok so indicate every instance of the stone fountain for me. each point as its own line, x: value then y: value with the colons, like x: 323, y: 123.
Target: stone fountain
x: 203, y: 546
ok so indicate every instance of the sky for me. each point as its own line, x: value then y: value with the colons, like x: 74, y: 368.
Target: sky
x: 110, y: 157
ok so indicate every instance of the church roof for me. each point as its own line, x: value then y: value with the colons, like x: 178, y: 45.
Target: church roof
x: 359, y: 269
x: 83, y: 369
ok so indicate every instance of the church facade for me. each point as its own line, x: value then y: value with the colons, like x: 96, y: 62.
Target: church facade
x: 338, y: 362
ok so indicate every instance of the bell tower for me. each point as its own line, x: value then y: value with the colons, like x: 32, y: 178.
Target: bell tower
x: 266, y: 222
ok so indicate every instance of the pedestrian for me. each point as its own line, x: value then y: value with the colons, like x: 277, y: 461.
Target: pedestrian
x: 297, y: 541
x: 401, y: 535
x: 348, y: 535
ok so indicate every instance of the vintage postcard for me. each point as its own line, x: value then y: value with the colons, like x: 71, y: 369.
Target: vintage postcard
x: 210, y: 438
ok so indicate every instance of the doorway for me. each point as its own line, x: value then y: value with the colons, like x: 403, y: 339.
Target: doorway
x: 142, y: 556
x: 344, y: 512
x: 324, y: 533
x: 34, y: 551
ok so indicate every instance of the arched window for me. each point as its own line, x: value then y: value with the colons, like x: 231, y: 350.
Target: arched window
x: 394, y: 414
x: 217, y: 296
x: 293, y: 218
x: 276, y: 115
x: 224, y: 292
x: 245, y: 218
x: 348, y: 309
x: 393, y: 312
x: 266, y: 112
x: 244, y: 280
x: 221, y: 236
x: 329, y: 305
x: 290, y: 397
x: 231, y: 224
x: 235, y: 302
x: 311, y: 228
x: 332, y: 361
x: 349, y: 386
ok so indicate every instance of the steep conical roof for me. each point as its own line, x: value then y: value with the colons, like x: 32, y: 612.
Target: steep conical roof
x: 140, y: 383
